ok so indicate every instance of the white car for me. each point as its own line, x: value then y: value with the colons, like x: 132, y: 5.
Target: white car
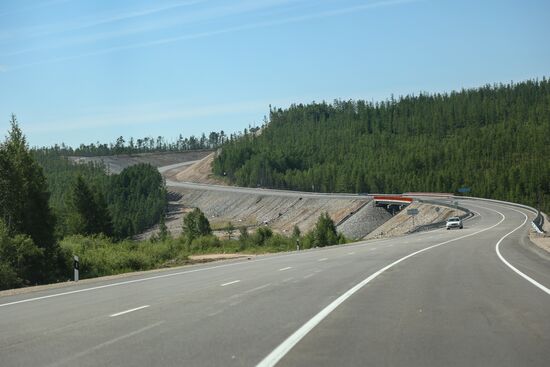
x: 454, y: 222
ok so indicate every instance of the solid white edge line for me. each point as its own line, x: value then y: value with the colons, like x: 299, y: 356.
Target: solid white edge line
x: 279, y: 352
x: 229, y: 283
x: 283, y: 269
x: 128, y: 311
x: 526, y: 277
x: 141, y: 280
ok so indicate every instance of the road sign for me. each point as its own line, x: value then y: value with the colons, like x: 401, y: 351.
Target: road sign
x: 412, y: 211
x: 464, y: 190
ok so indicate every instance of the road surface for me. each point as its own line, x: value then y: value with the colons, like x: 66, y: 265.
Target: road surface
x: 472, y: 297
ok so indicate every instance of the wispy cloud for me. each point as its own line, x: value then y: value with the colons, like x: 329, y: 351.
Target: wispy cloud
x: 244, y: 27
x: 164, y: 22
x: 146, y: 114
x: 80, y: 24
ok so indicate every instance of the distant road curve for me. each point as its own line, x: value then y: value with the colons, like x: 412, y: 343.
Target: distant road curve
x: 261, y: 191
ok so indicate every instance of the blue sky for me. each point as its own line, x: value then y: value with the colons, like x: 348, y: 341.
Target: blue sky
x: 81, y: 71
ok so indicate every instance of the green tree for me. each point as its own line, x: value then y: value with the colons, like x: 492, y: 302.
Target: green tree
x: 20, y: 260
x: 163, y: 229
x: 90, y: 214
x: 24, y: 206
x: 324, y: 232
x: 29, y: 210
x: 262, y: 235
x: 195, y: 224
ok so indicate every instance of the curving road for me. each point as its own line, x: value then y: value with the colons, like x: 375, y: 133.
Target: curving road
x: 473, y: 297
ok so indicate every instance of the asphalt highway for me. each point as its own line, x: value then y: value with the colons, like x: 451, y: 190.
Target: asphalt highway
x: 257, y: 191
x: 472, y: 297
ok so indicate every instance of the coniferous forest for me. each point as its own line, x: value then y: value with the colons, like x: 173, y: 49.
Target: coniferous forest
x: 494, y: 140
x: 86, y: 200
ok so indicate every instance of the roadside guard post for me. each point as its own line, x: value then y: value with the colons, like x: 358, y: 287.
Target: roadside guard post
x: 76, y: 266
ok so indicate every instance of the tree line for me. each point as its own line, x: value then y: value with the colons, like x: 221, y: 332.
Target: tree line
x: 147, y: 144
x: 494, y: 139
x: 86, y: 200
x: 45, y: 198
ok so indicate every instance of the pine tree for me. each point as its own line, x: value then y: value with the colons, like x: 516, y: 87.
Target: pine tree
x: 195, y: 224
x: 24, y: 205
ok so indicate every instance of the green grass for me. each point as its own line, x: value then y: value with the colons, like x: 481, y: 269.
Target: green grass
x: 100, y: 256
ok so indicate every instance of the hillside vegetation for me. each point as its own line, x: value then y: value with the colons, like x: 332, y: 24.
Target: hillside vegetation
x: 494, y: 139
x: 132, y: 201
x: 52, y: 209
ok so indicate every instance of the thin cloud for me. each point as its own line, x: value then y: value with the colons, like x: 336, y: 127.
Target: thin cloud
x: 83, y: 23
x: 252, y: 26
x: 140, y: 115
x: 177, y: 20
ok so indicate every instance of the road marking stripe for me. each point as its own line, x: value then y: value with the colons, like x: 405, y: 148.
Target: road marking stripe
x: 526, y: 277
x: 323, y: 259
x: 278, y: 353
x: 105, y: 344
x: 228, y: 283
x: 128, y: 311
x: 283, y: 269
x: 274, y: 257
x: 351, y: 253
x: 257, y: 288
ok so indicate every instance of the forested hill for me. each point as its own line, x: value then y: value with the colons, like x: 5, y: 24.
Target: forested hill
x: 494, y: 139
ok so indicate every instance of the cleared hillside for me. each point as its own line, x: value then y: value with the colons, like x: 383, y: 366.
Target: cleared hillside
x: 116, y: 163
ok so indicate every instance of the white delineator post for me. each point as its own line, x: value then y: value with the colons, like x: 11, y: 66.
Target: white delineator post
x: 76, y: 266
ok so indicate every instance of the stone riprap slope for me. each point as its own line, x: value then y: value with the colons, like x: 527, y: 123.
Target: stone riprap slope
x: 252, y: 210
x: 401, y: 223
x: 116, y: 163
x: 356, y: 216
x: 364, y: 221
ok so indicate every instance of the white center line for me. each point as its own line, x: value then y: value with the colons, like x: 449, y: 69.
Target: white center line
x: 128, y: 311
x: 257, y: 288
x: 105, y: 344
x: 283, y: 269
x: 233, y: 282
x: 323, y: 259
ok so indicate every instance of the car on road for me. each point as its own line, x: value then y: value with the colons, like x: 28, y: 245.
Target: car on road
x: 454, y: 222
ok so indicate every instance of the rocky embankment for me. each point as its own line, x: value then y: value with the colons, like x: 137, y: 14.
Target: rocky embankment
x: 356, y: 216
